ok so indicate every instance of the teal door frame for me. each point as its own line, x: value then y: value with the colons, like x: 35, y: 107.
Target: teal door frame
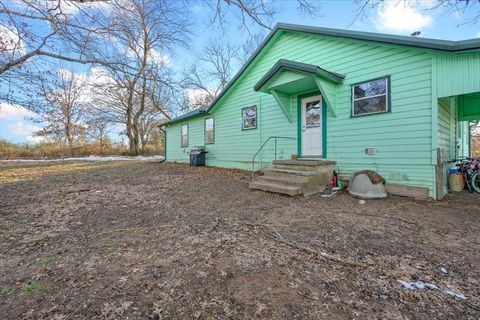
x: 299, y: 122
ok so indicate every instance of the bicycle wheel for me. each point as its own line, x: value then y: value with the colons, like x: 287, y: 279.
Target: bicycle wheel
x: 468, y: 182
x: 476, y: 182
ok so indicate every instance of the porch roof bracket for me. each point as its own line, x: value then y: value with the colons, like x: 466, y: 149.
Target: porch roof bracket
x: 329, y: 94
x: 284, y: 103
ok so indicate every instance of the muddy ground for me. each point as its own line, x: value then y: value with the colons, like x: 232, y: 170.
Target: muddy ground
x: 139, y: 240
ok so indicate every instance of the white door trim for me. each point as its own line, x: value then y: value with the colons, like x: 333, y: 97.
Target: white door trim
x: 311, y: 137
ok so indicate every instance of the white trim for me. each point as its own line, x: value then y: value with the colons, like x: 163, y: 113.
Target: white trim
x: 377, y: 95
x: 303, y: 103
x: 251, y: 117
x: 387, y: 106
x: 182, y: 135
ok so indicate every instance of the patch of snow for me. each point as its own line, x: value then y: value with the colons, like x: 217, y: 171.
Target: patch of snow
x: 443, y: 270
x: 407, y: 285
x: 455, y: 294
x: 423, y: 284
x: 93, y: 158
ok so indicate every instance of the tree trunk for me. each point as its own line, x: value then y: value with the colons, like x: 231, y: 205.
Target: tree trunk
x: 129, y: 125
x: 68, y: 137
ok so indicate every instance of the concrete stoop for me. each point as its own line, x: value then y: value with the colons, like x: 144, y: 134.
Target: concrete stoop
x: 295, y: 177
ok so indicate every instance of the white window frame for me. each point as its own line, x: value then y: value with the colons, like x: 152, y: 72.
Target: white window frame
x: 386, y: 94
x: 205, y: 130
x: 256, y: 118
x: 181, y: 135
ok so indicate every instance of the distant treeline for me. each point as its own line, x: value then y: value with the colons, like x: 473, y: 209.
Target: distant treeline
x: 53, y: 150
x: 475, y: 146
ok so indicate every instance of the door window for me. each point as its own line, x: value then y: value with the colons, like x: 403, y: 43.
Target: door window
x: 312, y: 114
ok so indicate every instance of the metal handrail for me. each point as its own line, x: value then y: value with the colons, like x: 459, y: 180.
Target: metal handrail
x: 261, y: 148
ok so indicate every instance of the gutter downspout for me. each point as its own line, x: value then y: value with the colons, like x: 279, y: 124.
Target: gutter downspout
x: 164, y: 143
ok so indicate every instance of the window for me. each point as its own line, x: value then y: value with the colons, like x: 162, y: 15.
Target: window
x: 209, y: 131
x: 249, y: 118
x: 184, y: 136
x: 370, y: 97
x: 312, y: 114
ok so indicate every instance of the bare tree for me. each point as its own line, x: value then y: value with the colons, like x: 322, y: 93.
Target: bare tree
x: 249, y: 46
x: 99, y: 127
x: 134, y: 96
x: 146, y: 30
x: 205, y: 80
x: 31, y: 28
x: 260, y: 12
x: 64, y: 109
x: 37, y: 35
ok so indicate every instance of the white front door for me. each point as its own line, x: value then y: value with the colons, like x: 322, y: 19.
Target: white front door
x: 312, y: 126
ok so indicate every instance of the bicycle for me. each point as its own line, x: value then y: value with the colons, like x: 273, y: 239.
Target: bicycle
x: 470, y: 169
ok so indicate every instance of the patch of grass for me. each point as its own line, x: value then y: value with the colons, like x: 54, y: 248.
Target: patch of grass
x: 49, y: 260
x: 30, y: 287
x: 159, y: 306
x: 17, y: 172
x: 5, y: 292
x: 110, y: 250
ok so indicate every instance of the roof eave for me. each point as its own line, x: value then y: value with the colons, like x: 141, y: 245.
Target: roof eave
x: 299, y: 67
x: 425, y: 43
x: 186, y: 116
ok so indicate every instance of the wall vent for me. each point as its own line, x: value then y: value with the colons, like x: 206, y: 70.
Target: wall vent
x: 370, y: 151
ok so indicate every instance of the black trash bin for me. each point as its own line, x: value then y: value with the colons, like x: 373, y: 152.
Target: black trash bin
x: 197, y: 157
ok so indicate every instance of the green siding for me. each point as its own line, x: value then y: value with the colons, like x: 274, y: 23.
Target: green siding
x: 284, y: 77
x: 458, y: 73
x: 404, y: 138
x: 447, y: 126
x: 399, y: 159
x: 195, y: 138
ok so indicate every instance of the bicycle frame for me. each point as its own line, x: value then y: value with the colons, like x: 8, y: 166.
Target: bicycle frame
x: 468, y: 167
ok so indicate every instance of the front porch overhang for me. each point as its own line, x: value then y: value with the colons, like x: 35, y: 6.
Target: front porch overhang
x: 469, y: 107
x: 289, y: 78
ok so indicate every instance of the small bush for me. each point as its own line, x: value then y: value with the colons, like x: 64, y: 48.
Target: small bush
x: 48, y: 260
x: 4, y: 293
x: 30, y: 287
x: 110, y: 250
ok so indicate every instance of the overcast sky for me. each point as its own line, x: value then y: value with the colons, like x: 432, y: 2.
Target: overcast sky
x: 391, y: 18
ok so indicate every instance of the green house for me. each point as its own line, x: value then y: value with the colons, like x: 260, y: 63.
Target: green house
x: 394, y: 104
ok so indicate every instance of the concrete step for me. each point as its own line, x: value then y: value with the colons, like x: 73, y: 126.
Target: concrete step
x: 291, y: 171
x: 294, y: 167
x: 275, y: 187
x: 290, y: 180
x: 302, y: 165
x: 307, y: 176
x: 309, y: 163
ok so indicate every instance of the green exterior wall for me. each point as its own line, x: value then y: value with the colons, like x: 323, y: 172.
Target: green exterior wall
x: 457, y: 73
x: 405, y: 138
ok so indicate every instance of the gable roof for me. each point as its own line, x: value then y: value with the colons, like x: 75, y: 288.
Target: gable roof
x: 305, y: 68
x: 416, y: 42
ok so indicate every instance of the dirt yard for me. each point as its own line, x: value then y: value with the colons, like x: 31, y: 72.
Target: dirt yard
x: 140, y: 240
